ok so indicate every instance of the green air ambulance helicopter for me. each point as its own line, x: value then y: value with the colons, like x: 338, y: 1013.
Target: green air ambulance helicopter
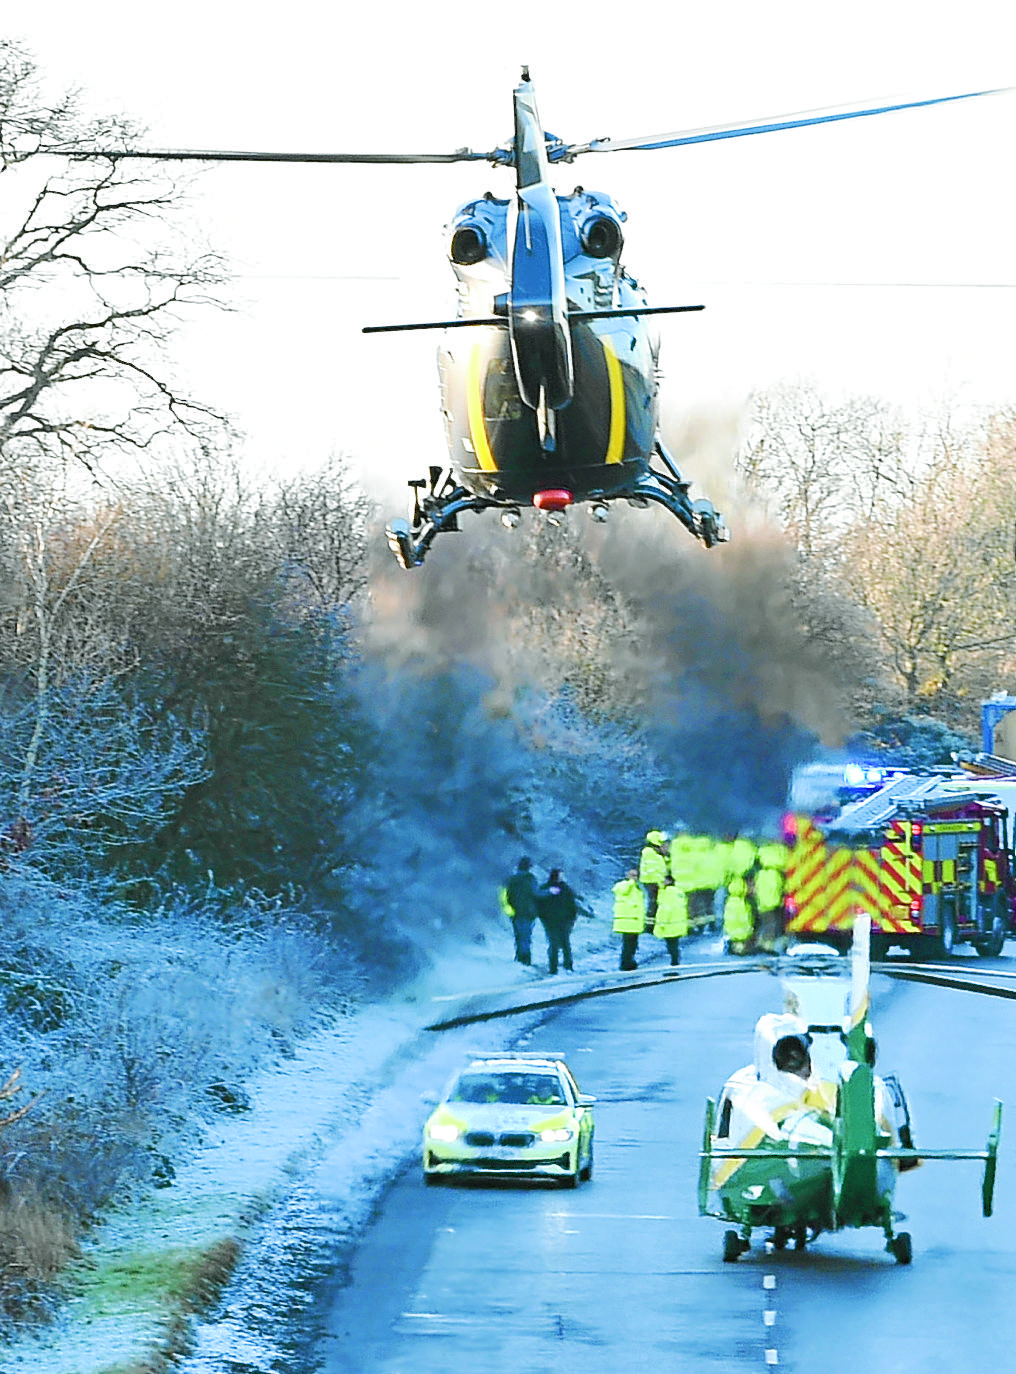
x: 808, y: 1138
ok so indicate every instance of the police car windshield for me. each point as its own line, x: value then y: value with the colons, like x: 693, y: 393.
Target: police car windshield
x: 514, y: 1088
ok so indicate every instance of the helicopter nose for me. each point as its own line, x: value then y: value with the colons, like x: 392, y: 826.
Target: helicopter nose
x: 554, y: 499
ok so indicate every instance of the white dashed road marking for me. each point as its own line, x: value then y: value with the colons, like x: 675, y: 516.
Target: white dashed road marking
x: 769, y: 1317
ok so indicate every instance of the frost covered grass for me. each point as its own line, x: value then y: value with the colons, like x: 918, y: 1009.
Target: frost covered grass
x: 136, y: 1035
x: 170, y: 1283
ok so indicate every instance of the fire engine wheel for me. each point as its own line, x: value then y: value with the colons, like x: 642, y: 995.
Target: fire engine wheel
x: 947, y: 933
x: 990, y: 947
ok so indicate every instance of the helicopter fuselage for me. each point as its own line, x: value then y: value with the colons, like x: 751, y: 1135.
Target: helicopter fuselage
x: 602, y: 436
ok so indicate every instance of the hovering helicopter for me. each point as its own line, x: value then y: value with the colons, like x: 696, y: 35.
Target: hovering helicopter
x: 553, y: 399
x: 808, y: 1138
x: 551, y: 393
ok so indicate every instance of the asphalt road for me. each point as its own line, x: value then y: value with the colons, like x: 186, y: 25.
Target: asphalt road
x: 624, y: 1274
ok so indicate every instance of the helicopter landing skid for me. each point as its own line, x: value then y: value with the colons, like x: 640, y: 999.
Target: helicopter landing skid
x: 439, y: 500
x: 669, y: 489
x: 700, y: 518
x: 410, y: 542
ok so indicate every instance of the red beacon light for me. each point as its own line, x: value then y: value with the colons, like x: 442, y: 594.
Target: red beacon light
x: 554, y: 499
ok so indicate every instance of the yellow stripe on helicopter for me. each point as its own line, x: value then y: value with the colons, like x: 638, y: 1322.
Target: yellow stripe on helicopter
x: 618, y: 418
x: 753, y: 1139
x: 474, y: 410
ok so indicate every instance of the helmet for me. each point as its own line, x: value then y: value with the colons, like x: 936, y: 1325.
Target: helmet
x: 790, y: 1054
x: 656, y: 837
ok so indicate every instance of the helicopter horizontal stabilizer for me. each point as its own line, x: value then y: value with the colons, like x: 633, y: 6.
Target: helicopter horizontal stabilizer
x: 989, y: 1155
x: 853, y: 1164
x: 481, y: 321
x: 632, y: 310
x: 486, y: 321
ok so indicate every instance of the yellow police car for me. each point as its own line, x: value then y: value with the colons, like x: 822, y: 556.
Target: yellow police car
x: 511, y: 1115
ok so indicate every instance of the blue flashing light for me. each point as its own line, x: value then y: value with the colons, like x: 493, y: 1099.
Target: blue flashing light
x: 860, y: 775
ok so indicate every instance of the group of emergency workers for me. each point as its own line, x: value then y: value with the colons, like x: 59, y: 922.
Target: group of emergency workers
x: 682, y: 884
x: 692, y: 882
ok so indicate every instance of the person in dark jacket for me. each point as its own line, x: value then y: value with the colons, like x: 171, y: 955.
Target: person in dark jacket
x: 557, y: 907
x: 520, y: 895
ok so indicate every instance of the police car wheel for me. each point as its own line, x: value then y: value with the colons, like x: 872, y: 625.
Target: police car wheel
x: 586, y: 1173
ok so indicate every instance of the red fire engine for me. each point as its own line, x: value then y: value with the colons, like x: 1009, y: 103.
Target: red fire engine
x: 931, y: 863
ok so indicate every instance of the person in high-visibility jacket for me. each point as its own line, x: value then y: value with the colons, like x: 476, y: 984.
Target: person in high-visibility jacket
x: 737, y: 916
x: 629, y: 916
x: 744, y: 864
x: 653, y: 870
x: 768, y: 887
x: 683, y: 861
x: 671, y: 918
x: 701, y: 883
x: 715, y: 882
x: 743, y: 857
x: 724, y: 851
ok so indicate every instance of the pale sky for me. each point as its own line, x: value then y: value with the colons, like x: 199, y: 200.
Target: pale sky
x: 916, y: 210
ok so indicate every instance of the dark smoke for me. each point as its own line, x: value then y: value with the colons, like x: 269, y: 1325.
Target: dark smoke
x: 557, y: 692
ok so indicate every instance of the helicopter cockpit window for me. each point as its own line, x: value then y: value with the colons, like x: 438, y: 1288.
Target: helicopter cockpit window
x: 501, y: 399
x: 723, y: 1126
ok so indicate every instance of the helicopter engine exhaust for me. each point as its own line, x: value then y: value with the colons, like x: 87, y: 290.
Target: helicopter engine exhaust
x: 601, y: 237
x: 469, y: 245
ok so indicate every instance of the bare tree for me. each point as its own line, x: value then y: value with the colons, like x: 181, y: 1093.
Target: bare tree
x: 93, y: 282
x: 939, y: 580
x: 321, y: 527
x: 821, y: 466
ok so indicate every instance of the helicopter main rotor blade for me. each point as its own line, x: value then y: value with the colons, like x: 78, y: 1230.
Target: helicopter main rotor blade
x: 802, y: 120
x: 223, y: 155
x: 556, y: 151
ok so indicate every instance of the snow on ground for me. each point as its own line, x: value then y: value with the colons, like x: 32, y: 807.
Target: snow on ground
x: 298, y: 1176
